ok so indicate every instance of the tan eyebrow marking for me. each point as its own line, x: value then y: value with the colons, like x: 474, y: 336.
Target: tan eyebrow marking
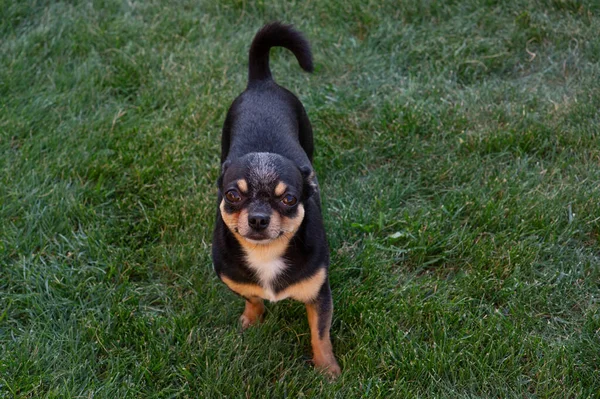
x: 242, y: 185
x: 280, y: 189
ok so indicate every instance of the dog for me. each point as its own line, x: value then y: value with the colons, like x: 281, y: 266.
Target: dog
x: 269, y: 240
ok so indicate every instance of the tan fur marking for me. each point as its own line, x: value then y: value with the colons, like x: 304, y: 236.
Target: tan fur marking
x: 245, y: 290
x: 264, y: 259
x: 230, y: 219
x: 280, y: 188
x: 253, y: 312
x: 264, y: 252
x: 238, y: 225
x: 291, y: 225
x: 305, y: 290
x: 323, y: 357
x: 242, y: 185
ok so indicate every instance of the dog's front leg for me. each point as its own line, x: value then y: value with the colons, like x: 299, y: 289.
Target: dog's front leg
x: 319, y: 314
x: 253, y: 312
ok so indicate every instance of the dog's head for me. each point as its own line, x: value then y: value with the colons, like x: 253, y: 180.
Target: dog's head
x: 264, y: 196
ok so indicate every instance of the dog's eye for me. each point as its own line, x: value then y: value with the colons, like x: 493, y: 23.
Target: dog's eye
x: 233, y: 196
x: 289, y: 200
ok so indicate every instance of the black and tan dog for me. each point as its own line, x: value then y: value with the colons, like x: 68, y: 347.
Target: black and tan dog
x: 269, y: 241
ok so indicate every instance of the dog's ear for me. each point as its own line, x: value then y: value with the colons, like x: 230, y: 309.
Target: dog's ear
x: 310, y: 181
x: 224, y: 167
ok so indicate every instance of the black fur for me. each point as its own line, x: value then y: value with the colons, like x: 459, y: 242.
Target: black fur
x: 276, y: 35
x: 269, y: 118
x: 325, y: 309
x: 266, y: 139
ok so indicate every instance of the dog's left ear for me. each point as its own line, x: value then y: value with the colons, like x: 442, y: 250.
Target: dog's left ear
x: 224, y: 167
x: 310, y: 181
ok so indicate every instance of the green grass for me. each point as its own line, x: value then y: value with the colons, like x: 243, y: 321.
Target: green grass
x: 458, y: 148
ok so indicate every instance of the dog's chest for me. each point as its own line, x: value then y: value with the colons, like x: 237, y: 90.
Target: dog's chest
x: 267, y: 266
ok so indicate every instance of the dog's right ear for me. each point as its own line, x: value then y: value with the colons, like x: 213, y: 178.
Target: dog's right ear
x: 224, y: 167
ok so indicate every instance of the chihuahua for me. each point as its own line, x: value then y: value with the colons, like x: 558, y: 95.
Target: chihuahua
x: 269, y: 240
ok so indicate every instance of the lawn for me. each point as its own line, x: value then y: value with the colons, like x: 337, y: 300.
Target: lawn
x: 458, y: 150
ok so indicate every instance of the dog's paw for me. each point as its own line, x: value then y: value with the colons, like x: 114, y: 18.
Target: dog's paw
x: 253, y: 313
x: 329, y: 368
x: 247, y: 321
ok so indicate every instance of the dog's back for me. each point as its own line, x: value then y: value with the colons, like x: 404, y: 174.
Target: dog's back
x: 267, y: 117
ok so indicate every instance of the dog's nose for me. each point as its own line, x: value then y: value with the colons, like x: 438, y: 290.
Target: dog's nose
x: 259, y: 221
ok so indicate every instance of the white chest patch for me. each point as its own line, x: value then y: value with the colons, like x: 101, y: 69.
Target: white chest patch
x: 267, y: 273
x: 268, y: 264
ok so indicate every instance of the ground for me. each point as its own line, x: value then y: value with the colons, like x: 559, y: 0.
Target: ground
x: 458, y: 150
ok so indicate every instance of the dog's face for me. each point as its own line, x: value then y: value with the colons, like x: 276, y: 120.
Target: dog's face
x: 263, y: 197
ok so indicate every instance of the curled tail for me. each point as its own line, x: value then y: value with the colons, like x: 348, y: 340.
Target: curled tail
x: 276, y: 34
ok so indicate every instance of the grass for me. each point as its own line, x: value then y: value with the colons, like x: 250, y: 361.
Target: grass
x: 458, y: 148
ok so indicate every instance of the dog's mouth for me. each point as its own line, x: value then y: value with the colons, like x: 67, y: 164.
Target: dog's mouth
x: 261, y: 238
